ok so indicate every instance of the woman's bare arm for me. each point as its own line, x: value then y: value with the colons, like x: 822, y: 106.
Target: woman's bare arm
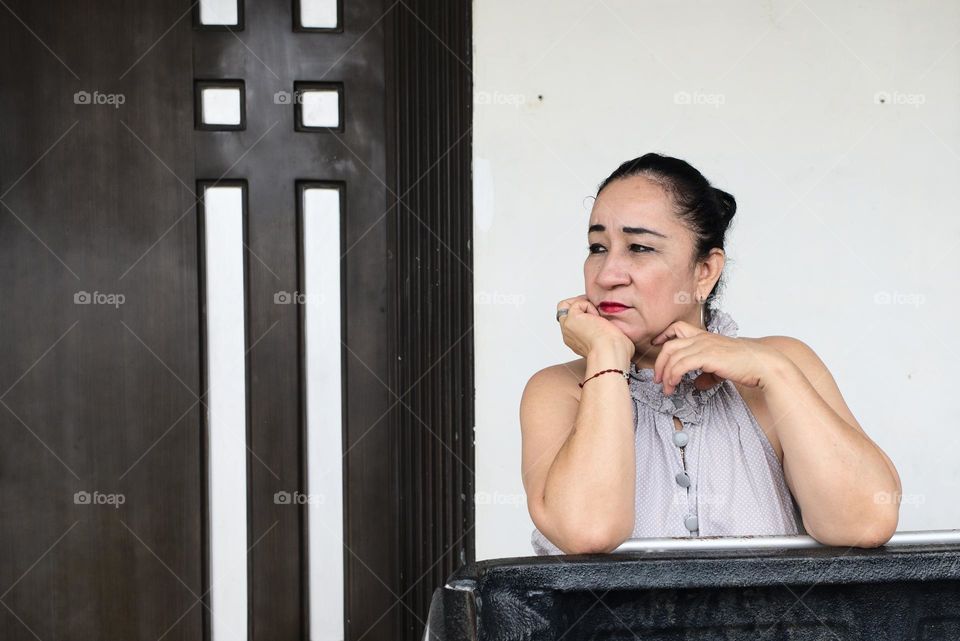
x: 847, y: 487
x: 579, y: 464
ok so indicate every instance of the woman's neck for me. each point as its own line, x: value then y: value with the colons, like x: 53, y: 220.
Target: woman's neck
x: 648, y: 358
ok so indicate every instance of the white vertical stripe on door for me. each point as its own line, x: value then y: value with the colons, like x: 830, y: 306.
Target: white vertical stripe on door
x: 226, y: 402
x: 320, y: 210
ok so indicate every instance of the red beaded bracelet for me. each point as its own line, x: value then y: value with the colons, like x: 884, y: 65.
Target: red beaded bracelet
x: 622, y: 373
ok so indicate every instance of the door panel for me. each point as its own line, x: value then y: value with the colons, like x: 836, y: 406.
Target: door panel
x: 100, y: 335
x: 105, y: 501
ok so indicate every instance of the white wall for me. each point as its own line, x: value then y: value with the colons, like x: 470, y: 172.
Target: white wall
x: 782, y: 110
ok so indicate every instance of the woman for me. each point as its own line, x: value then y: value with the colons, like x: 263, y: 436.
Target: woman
x: 672, y: 425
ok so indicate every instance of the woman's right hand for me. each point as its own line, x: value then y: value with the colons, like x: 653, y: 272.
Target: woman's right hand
x: 584, y: 329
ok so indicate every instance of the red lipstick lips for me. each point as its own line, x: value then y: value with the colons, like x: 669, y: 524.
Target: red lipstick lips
x: 612, y: 307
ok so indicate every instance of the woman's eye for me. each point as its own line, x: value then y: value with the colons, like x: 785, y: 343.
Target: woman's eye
x: 640, y: 249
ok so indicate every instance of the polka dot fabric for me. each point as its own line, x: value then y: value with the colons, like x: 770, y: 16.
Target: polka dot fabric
x: 737, y: 487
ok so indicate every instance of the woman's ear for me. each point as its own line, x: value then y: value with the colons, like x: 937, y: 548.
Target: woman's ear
x: 710, y: 269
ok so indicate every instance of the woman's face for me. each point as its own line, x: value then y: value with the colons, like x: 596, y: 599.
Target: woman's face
x: 647, y: 266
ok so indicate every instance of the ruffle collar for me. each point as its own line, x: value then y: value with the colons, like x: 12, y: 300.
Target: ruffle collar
x: 687, y: 401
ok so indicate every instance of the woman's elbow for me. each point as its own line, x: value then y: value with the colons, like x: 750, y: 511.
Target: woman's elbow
x: 871, y: 538
x: 576, y: 534
x: 879, y: 530
x: 595, y: 540
x: 882, y: 531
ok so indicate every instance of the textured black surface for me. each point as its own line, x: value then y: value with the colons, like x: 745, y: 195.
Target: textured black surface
x: 825, y: 593
x: 431, y: 298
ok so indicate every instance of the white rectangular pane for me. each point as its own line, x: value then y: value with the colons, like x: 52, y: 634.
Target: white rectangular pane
x: 321, y: 267
x: 226, y: 413
x: 220, y: 105
x: 318, y: 14
x: 218, y: 12
x: 321, y: 107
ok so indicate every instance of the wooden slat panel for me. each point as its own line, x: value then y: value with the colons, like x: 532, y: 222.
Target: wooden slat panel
x: 433, y: 227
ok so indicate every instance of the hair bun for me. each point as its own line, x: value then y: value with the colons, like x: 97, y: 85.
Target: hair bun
x: 727, y: 203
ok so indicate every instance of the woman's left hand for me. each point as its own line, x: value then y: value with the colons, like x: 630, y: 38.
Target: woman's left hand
x: 686, y: 348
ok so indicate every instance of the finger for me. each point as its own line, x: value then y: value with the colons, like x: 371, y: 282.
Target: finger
x: 666, y: 354
x: 567, y: 304
x: 669, y: 333
x: 656, y: 340
x: 584, y: 306
x: 681, y: 363
x: 660, y: 364
x: 681, y: 329
x: 574, y: 309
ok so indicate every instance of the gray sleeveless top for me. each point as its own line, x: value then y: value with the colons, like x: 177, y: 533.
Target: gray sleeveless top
x: 731, y: 483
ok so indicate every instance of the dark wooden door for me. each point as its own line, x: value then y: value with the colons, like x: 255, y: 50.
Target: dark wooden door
x: 104, y: 379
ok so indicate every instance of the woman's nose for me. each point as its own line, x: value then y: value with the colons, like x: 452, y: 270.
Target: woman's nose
x: 612, y: 273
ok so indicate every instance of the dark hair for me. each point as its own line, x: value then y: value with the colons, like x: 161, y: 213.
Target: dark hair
x: 706, y: 210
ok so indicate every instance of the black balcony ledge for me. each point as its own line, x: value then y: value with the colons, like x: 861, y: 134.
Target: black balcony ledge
x: 730, y: 588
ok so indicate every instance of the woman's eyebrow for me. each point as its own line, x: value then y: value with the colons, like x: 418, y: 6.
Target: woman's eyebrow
x: 627, y: 230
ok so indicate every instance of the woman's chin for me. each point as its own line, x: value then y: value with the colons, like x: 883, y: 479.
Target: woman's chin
x: 631, y: 331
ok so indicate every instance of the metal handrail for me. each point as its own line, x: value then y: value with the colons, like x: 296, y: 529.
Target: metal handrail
x: 912, y: 537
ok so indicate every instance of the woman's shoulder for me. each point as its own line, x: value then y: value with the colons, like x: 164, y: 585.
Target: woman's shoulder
x: 788, y: 343
x: 549, y: 404
x: 756, y: 400
x: 561, y: 377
